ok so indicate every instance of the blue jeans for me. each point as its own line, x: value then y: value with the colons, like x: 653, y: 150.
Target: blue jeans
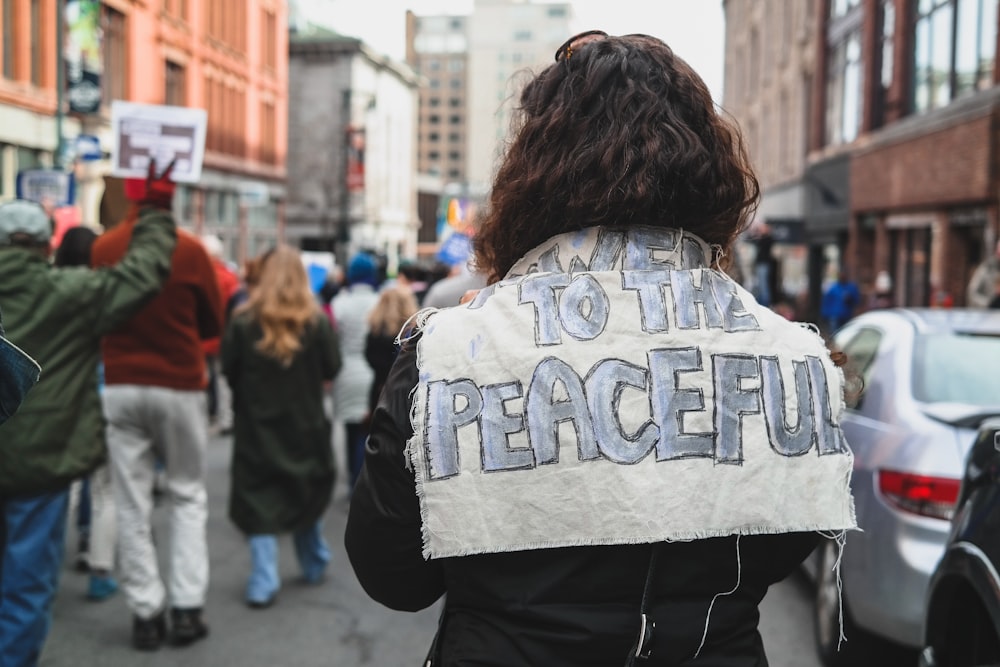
x: 312, y: 552
x: 762, y: 284
x: 35, y: 531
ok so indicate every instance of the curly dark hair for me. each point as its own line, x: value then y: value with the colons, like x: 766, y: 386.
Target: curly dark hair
x: 621, y: 133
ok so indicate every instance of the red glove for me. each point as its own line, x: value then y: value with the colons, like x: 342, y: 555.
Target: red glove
x: 159, y: 189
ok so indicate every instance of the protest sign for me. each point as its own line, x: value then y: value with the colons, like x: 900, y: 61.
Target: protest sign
x: 164, y: 133
x: 614, y: 389
x: 48, y: 187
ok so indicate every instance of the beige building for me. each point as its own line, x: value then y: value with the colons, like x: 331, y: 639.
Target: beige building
x: 437, y: 47
x: 770, y: 69
x: 472, y: 67
x: 352, y: 178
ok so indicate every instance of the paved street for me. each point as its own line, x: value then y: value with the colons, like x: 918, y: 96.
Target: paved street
x: 334, y: 624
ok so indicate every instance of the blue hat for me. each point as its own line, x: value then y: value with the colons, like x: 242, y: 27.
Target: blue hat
x: 362, y: 269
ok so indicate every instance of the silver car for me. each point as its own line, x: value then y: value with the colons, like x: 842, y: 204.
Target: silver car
x: 930, y: 377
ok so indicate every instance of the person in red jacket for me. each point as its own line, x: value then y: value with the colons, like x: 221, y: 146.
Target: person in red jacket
x: 155, y: 405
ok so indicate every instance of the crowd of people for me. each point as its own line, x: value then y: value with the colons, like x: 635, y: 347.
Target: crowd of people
x: 581, y: 459
x: 149, y: 343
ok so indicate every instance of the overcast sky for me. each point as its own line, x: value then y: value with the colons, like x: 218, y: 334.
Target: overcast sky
x: 693, y: 28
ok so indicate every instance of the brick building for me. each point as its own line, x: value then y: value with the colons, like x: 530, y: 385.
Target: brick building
x: 901, y: 145
x: 229, y: 57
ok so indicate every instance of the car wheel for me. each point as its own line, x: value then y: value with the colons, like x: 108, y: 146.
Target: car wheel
x: 971, y: 640
x: 827, y: 615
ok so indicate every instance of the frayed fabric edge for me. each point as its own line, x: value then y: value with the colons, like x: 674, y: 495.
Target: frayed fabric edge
x: 419, y: 320
x: 686, y: 536
x: 840, y: 537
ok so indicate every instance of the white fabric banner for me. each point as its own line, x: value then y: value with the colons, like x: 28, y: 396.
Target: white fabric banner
x: 613, y: 390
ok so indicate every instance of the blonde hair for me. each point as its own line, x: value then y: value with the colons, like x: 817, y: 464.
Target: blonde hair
x: 395, y: 306
x: 282, y: 303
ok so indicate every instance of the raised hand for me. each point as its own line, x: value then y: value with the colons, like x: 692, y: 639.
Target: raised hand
x: 159, y: 189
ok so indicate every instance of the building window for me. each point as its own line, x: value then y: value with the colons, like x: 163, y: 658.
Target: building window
x: 28, y: 158
x: 888, y: 30
x: 434, y: 102
x: 227, y: 23
x: 433, y: 136
x: 454, y: 137
x: 844, y: 74
x: 36, y: 43
x: 455, y: 120
x: 113, y: 79
x: 434, y: 119
x: 955, y: 50
x: 433, y: 155
x: 176, y: 85
x: 176, y: 7
x: 268, y: 133
x: 9, y: 38
x: 269, y: 24
x: 455, y: 102
x: 841, y: 8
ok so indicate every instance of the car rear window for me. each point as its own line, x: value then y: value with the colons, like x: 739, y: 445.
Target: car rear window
x: 957, y: 368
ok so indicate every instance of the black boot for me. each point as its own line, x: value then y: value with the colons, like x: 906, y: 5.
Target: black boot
x: 186, y: 626
x: 148, y: 634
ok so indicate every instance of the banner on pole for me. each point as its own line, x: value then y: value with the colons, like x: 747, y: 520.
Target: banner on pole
x: 82, y: 55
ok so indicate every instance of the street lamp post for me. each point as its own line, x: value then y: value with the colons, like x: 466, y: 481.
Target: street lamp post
x: 60, y: 156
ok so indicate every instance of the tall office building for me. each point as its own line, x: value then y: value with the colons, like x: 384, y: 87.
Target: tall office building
x: 438, y: 48
x: 473, y: 67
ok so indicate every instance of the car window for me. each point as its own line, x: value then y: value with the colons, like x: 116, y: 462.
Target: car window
x: 860, y: 349
x: 957, y: 368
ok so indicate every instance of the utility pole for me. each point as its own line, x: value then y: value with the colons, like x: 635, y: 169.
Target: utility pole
x: 60, y: 156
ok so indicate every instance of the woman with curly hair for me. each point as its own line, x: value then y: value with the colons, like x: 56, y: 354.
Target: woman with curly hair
x: 277, y: 352
x: 613, y: 450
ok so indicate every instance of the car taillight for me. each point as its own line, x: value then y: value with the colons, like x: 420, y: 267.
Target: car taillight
x: 920, y: 494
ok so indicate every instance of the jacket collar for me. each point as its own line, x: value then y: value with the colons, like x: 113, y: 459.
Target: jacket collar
x: 636, y: 248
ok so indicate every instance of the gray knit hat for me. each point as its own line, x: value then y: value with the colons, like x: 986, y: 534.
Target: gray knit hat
x: 24, y: 217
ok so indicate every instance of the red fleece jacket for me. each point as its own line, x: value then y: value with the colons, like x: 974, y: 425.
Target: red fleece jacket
x: 162, y: 344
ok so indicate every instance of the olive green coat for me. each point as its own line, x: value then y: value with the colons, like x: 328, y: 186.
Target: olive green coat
x: 57, y: 316
x: 282, y: 466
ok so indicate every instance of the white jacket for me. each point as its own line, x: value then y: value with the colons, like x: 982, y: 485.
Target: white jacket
x: 351, y: 308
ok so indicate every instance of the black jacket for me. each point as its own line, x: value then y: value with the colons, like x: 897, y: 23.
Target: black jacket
x: 572, y: 606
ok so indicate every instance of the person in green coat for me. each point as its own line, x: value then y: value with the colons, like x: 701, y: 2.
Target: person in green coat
x: 57, y: 316
x: 277, y: 352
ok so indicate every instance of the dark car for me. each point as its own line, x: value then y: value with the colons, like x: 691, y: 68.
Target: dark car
x: 962, y: 626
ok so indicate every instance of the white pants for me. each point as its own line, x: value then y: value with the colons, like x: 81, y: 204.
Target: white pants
x: 146, y: 424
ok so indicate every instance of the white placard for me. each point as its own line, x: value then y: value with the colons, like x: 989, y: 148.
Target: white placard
x: 142, y: 131
x: 613, y: 389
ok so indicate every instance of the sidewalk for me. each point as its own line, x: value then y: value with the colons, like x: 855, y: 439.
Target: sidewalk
x: 334, y: 624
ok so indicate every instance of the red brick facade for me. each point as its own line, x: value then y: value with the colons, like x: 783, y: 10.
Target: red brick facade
x: 922, y: 199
